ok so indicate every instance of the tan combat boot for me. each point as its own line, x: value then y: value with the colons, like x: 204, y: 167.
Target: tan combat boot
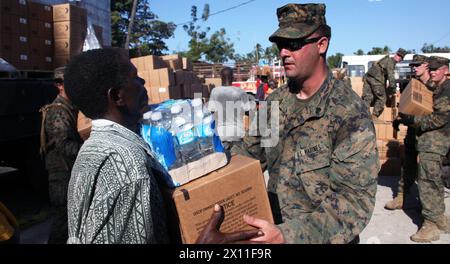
x: 443, y: 224
x: 395, y: 204
x: 427, y: 233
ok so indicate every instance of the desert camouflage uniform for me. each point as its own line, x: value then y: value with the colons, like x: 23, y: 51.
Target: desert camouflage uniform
x: 60, y: 143
x: 323, y: 171
x: 374, y: 89
x: 433, y: 143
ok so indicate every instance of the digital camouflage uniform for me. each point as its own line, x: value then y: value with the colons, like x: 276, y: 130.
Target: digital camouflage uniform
x: 433, y: 143
x: 60, y: 143
x: 323, y: 171
x: 374, y: 89
x: 409, y: 167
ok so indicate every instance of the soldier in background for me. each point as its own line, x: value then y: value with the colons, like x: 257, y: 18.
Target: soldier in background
x: 323, y: 168
x: 433, y: 142
x: 374, y: 89
x: 60, y: 143
x: 409, y: 168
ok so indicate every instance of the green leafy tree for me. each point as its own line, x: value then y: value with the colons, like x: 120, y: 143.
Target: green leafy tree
x: 219, y: 47
x: 271, y: 53
x: 148, y: 33
x: 359, y: 52
x: 198, y: 42
x: 334, y: 61
x: 430, y: 48
x: 379, y: 51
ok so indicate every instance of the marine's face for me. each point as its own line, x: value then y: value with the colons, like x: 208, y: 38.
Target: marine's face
x: 421, y: 69
x: 438, y: 75
x: 299, y: 60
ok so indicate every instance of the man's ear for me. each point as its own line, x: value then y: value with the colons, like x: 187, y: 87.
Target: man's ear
x: 322, y: 44
x: 115, y: 96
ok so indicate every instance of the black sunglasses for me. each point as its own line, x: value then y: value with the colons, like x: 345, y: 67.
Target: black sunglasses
x: 295, y: 44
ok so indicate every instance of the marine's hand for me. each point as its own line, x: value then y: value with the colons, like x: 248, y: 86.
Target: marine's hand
x: 211, y: 234
x: 272, y: 234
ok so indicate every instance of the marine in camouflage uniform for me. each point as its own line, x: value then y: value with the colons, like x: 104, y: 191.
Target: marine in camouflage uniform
x: 374, y: 89
x: 60, y: 143
x: 409, y: 167
x: 433, y: 142
x: 323, y: 170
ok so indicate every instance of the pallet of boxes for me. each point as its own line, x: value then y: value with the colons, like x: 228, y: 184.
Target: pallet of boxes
x: 26, y: 35
x: 70, y: 29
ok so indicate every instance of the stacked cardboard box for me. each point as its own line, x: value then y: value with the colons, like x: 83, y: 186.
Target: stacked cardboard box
x: 357, y: 85
x: 41, y: 36
x: 70, y: 28
x: 416, y: 99
x: 239, y: 188
x: 166, y: 78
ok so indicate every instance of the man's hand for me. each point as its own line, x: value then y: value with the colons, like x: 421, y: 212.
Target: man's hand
x: 272, y: 234
x: 405, y: 119
x: 212, y: 235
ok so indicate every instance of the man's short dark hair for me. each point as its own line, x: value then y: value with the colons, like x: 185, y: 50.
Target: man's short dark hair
x: 226, y: 75
x: 90, y: 75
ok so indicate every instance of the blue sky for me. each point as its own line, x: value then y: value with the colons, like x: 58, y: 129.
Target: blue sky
x: 355, y: 23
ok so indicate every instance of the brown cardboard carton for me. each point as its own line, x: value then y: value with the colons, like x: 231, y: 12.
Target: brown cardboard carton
x: 387, y: 115
x: 68, y: 12
x: 388, y: 148
x: 357, y: 85
x: 68, y: 47
x: 147, y: 63
x: 239, y: 187
x: 19, y: 7
x: 19, y: 25
x: 166, y: 77
x: 416, y: 99
x: 187, y: 64
x: 69, y: 30
x: 60, y: 61
x: 174, y: 61
x: 384, y: 130
x: 40, y: 12
x: 216, y: 82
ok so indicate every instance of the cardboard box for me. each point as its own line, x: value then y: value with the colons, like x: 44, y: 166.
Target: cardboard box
x: 216, y: 82
x: 19, y: 7
x: 5, y: 23
x: 387, y: 115
x: 147, y: 63
x: 68, y: 12
x: 357, y: 85
x: 41, y: 12
x: 5, y: 7
x: 174, y: 61
x: 239, y: 188
x: 384, y: 130
x: 416, y: 99
x: 19, y: 25
x: 84, y: 125
x: 68, y: 47
x: 69, y: 30
x: 60, y: 61
x: 187, y: 64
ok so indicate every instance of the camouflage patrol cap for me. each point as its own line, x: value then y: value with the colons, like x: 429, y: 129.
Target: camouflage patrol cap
x: 436, y: 62
x: 401, y: 52
x: 299, y: 20
x: 59, y: 73
x: 418, y: 60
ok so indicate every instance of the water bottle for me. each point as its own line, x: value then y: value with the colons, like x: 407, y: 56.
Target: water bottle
x: 161, y: 138
x: 186, y: 140
x: 206, y: 135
